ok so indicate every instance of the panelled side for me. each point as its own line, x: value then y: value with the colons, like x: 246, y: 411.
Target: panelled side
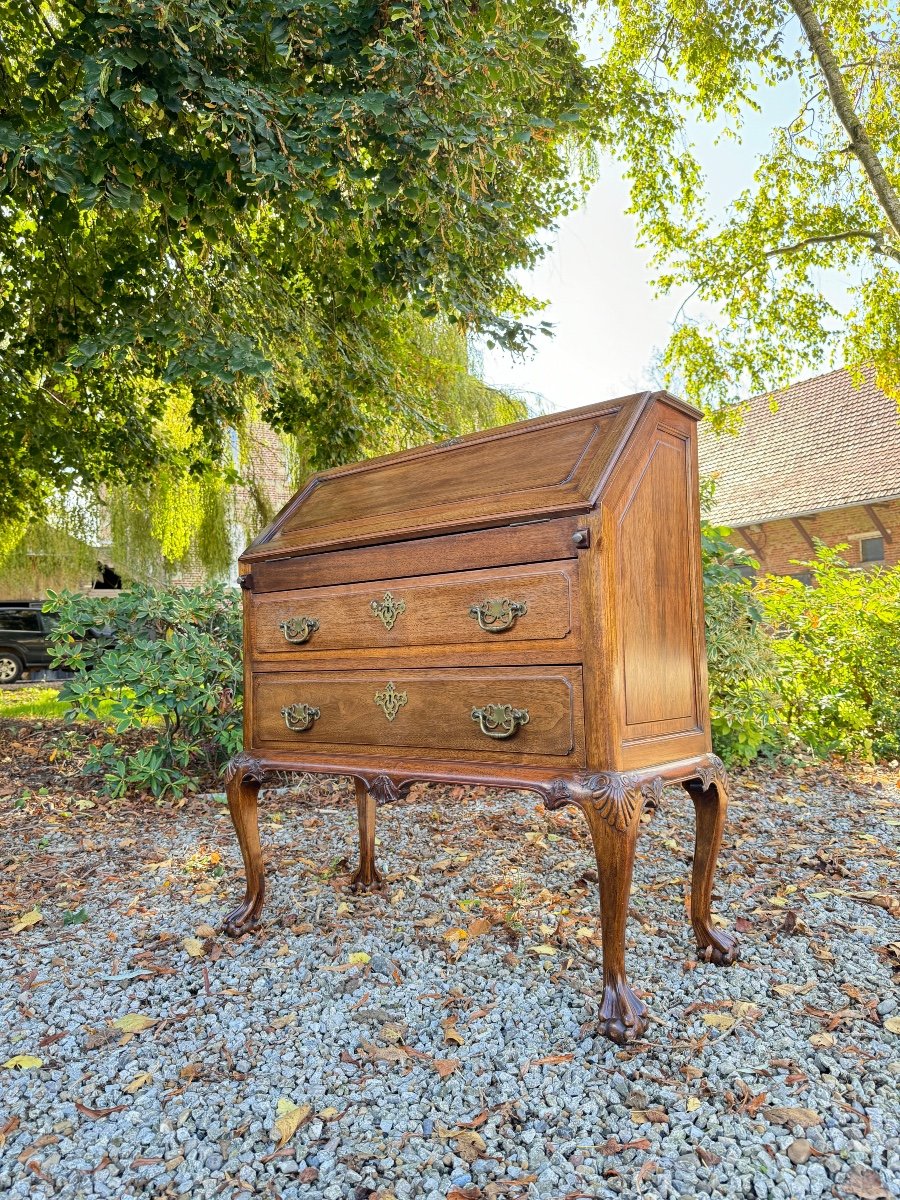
x: 653, y: 548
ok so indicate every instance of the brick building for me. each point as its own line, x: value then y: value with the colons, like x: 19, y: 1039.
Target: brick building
x: 817, y: 461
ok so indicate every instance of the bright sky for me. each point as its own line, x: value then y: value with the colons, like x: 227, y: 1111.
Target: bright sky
x: 607, y: 322
x: 609, y: 325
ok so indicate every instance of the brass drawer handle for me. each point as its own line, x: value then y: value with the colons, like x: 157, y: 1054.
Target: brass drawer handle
x: 500, y: 720
x: 299, y: 629
x: 300, y: 717
x: 388, y: 610
x: 496, y: 616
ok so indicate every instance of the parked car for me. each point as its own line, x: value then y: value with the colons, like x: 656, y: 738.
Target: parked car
x: 24, y: 635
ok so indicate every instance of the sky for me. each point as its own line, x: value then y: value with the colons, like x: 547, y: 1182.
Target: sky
x: 609, y: 324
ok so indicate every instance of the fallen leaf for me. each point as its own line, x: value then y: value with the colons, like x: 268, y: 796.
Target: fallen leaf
x: 391, y: 1032
x: 328, y: 1114
x: 191, y: 1071
x: 96, y: 1113
x: 445, y: 1066
x: 134, y: 1022
x: 452, y: 1036
x: 718, y: 1021
x: 23, y: 922
x: 78, y: 917
x: 693, y: 1103
x: 290, y: 1117
x: 359, y: 957
x: 655, y: 1116
x: 9, y: 1127
x: 707, y: 1157
x: 778, y: 1115
x: 205, y: 931
x: 892, y: 1024
x: 866, y: 1184
x: 24, y: 1062
x: 137, y: 1083
x: 193, y: 946
x: 467, y: 1193
x: 542, y: 949
x: 821, y: 1041
x: 470, y: 1145
x: 478, y: 927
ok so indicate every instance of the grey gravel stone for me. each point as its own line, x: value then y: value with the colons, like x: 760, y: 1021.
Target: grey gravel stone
x: 283, y: 1015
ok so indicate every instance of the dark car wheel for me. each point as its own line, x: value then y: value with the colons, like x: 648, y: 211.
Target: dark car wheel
x: 11, y: 666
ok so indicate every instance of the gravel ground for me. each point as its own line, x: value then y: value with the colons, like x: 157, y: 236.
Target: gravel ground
x: 437, y: 1040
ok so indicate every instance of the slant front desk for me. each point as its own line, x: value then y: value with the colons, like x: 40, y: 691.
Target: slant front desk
x: 520, y: 608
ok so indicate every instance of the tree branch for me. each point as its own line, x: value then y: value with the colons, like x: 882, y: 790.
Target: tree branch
x: 847, y: 115
x: 877, y: 240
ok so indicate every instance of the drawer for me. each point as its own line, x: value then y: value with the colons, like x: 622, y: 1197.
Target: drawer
x: 514, y: 711
x: 488, y: 608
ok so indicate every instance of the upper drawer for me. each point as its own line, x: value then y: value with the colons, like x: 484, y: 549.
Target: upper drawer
x: 487, y: 609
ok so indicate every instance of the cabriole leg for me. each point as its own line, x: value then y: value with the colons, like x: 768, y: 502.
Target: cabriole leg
x: 366, y: 877
x: 242, y: 782
x: 623, y: 1017
x: 710, y: 807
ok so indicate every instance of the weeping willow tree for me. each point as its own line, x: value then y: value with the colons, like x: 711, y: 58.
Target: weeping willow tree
x: 415, y: 384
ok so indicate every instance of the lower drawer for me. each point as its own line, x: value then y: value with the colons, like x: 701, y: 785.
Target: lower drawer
x: 515, y: 710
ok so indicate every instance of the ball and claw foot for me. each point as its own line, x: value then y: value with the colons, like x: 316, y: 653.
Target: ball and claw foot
x: 717, y: 947
x: 362, y: 881
x: 241, y: 920
x: 623, y: 1017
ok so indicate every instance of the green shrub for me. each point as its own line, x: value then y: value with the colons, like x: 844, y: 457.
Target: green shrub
x: 837, y: 644
x: 743, y: 697
x: 168, y: 660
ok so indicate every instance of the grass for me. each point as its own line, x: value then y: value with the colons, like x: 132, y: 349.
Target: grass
x: 40, y: 700
x: 37, y: 701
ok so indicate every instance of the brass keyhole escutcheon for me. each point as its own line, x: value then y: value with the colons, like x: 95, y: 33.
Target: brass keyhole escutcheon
x: 388, y: 610
x: 390, y: 701
x: 500, y: 720
x: 300, y: 717
x: 299, y: 629
x: 496, y: 616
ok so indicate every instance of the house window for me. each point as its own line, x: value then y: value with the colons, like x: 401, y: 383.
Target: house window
x: 871, y: 549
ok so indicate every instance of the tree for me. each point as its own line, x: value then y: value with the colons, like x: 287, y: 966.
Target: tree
x: 241, y: 202
x: 825, y: 195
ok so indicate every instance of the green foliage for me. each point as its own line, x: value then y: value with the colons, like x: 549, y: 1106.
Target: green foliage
x: 838, y: 649
x: 681, y: 78
x: 743, y: 697
x: 145, y: 657
x: 240, y: 204
x: 37, y: 701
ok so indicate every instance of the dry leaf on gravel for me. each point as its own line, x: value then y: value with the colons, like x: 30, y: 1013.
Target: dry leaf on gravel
x: 134, y: 1022
x: 892, y: 1024
x: 23, y: 922
x: 137, y: 1083
x: 470, y: 1145
x: 777, y: 1114
x: 822, y: 1041
x: 23, y: 1062
x: 194, y: 947
x: 452, y: 1036
x: 655, y: 1116
x: 866, y: 1184
x: 718, y: 1021
x: 289, y: 1119
x: 359, y: 957
x: 445, y: 1066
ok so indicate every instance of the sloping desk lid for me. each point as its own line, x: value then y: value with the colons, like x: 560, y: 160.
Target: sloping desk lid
x: 547, y: 466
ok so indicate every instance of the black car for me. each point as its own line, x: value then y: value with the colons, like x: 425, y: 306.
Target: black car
x: 24, y: 633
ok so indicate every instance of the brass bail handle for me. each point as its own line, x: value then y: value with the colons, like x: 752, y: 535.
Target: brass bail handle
x: 299, y: 629
x: 500, y: 720
x: 300, y: 717
x: 496, y: 616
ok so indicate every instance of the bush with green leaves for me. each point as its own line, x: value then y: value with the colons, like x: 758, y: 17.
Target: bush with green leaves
x: 168, y: 660
x: 837, y: 645
x: 743, y: 695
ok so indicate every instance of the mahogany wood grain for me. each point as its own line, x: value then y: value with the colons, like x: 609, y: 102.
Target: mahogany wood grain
x: 436, y: 712
x: 530, y: 541
x: 430, y: 612
x: 366, y: 877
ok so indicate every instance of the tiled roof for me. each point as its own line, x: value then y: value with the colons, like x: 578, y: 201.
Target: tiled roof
x: 829, y: 444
